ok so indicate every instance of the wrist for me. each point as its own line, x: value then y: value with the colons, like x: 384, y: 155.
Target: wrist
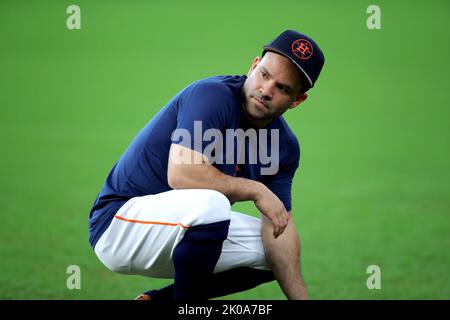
x: 258, y: 190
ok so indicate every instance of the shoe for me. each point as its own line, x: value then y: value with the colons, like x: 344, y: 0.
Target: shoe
x: 143, y: 297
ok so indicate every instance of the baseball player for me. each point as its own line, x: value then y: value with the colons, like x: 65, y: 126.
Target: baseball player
x: 165, y: 208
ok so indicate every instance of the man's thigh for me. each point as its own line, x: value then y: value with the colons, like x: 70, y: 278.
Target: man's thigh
x: 145, y: 231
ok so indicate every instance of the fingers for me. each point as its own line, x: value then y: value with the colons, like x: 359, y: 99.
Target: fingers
x: 275, y: 225
x: 280, y: 223
x: 278, y: 227
x: 283, y: 220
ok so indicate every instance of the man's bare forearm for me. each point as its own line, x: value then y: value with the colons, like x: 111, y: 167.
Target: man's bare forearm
x: 205, y: 176
x: 283, y: 255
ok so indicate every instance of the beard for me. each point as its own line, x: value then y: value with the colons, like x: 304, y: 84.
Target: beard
x: 260, y: 109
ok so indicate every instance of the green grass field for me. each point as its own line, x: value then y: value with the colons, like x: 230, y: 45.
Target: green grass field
x: 374, y: 182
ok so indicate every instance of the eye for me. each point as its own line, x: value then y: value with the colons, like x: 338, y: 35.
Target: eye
x: 284, y: 90
x: 264, y: 75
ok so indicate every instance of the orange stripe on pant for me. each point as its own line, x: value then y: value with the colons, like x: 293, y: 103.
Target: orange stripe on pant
x: 152, y: 222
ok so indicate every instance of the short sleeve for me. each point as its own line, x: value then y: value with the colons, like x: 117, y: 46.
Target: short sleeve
x: 203, y: 106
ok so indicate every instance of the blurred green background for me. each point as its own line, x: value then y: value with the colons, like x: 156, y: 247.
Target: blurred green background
x: 374, y: 182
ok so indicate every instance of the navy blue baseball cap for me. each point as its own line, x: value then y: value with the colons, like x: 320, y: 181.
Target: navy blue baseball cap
x: 301, y: 50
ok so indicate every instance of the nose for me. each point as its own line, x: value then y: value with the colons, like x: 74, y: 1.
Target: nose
x: 266, y: 90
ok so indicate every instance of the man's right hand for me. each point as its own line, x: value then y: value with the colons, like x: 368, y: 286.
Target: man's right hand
x: 272, y: 207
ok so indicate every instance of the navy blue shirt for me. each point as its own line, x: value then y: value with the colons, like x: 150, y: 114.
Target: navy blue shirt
x: 217, y: 103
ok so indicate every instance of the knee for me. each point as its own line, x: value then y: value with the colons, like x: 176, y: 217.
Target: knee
x: 205, y: 206
x: 213, y: 206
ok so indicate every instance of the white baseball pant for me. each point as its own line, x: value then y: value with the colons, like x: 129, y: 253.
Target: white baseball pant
x: 145, y: 231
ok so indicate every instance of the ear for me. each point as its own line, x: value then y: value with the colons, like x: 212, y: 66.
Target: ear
x: 299, y: 99
x: 255, y: 62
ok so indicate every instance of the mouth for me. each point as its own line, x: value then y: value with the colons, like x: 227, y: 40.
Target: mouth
x: 259, y: 103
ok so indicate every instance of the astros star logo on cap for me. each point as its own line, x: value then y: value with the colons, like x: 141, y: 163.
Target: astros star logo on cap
x: 302, y: 48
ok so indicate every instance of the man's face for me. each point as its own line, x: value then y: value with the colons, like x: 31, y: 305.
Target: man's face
x: 273, y: 86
